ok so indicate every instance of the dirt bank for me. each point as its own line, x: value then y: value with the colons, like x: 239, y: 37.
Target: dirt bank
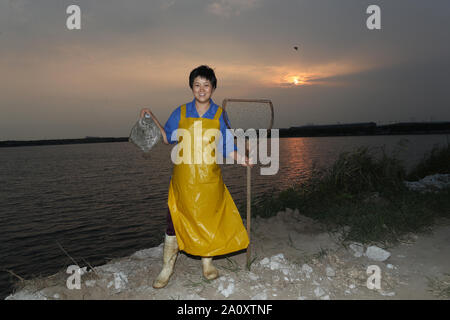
x: 294, y: 258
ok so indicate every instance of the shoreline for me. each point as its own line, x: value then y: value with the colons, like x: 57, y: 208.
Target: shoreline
x: 295, y: 259
x: 293, y: 132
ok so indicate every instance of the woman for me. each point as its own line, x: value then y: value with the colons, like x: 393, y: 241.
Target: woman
x: 202, y: 219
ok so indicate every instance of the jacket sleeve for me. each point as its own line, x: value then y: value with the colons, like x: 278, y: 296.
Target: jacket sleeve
x: 226, y: 141
x: 172, y: 125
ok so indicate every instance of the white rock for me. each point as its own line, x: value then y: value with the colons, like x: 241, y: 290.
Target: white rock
x: 377, y: 254
x: 274, y: 265
x: 388, y: 294
x: 319, y: 292
x: 120, y: 281
x: 89, y: 283
x: 330, y: 272
x: 26, y: 295
x: 229, y: 290
x: 429, y: 183
x: 278, y: 257
x: 260, y: 296
x: 264, y: 261
x: 327, y: 297
x: 358, y: 249
x: 306, y: 268
x: 253, y: 276
x: 390, y: 266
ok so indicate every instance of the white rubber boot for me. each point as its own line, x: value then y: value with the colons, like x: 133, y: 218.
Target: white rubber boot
x: 209, y: 271
x: 169, y: 258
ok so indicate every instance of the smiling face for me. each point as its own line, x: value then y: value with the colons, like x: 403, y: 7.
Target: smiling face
x: 202, y: 89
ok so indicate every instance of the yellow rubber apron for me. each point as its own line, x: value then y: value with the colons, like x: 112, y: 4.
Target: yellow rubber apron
x: 205, y: 218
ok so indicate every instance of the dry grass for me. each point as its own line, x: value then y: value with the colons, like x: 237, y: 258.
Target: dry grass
x: 440, y: 287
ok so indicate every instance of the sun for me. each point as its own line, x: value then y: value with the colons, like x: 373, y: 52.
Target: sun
x: 297, y: 80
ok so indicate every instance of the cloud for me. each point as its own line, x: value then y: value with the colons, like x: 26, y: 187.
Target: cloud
x: 228, y: 8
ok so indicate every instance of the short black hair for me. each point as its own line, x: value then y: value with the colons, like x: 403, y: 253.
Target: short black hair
x: 203, y: 72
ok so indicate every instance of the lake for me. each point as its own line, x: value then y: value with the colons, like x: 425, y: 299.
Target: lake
x: 106, y: 200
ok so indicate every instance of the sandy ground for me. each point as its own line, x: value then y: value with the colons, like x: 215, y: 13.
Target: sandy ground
x: 294, y: 258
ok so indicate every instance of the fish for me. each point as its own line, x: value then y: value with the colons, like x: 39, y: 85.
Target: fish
x: 145, y: 134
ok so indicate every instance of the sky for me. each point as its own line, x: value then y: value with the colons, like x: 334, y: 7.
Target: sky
x: 57, y: 83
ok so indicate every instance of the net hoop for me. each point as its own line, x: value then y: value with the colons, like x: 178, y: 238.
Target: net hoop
x: 226, y: 100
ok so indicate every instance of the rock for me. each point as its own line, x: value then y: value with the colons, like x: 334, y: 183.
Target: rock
x: 387, y: 294
x: 253, y: 276
x: 327, y: 297
x: 377, y: 254
x: 120, y: 281
x: 264, y: 261
x: 319, y: 292
x: 89, y: 283
x: 285, y: 271
x: 306, y: 268
x: 226, y: 292
x: 330, y: 272
x: 274, y: 265
x: 357, y: 249
x: 26, y: 295
x: 429, y: 183
x: 260, y: 296
x: 277, y: 261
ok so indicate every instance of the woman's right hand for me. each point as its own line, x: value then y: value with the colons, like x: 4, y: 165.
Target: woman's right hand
x: 147, y: 110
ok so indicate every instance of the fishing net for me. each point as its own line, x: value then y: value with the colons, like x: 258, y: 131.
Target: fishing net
x: 145, y: 134
x: 248, y: 113
x: 242, y: 115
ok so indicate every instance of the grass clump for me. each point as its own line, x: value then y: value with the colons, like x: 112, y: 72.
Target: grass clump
x: 440, y: 287
x: 435, y: 161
